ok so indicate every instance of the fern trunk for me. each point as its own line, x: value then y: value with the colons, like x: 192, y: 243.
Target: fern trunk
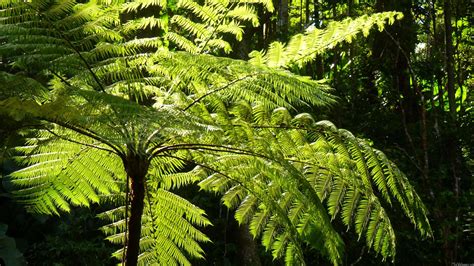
x: 136, y: 170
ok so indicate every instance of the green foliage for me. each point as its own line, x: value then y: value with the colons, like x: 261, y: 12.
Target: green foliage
x: 323, y: 164
x: 102, y: 102
x: 169, y: 235
x: 303, y: 48
x: 216, y: 19
x: 8, y: 251
x: 59, y: 240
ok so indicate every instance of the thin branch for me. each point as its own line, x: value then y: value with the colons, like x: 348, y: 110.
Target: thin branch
x: 360, y: 257
x: 61, y: 78
x: 219, y: 89
x: 424, y: 134
x: 410, y: 158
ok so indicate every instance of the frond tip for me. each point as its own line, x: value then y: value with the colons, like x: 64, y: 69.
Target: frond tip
x: 49, y: 183
x: 303, y: 48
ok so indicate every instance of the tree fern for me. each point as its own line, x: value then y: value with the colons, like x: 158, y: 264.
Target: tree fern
x: 81, y: 142
x: 116, y: 118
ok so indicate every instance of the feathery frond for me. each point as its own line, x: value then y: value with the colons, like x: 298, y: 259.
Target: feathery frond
x: 303, y: 48
x: 330, y: 166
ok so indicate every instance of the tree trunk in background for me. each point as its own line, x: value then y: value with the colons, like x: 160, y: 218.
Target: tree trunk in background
x: 452, y: 150
x: 352, y: 53
x: 247, y: 248
x: 318, y: 61
x: 283, y: 18
x: 408, y: 100
x: 307, y: 13
x: 449, y: 59
x: 393, y: 49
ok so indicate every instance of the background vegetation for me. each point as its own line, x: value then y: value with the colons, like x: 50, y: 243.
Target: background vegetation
x: 406, y: 89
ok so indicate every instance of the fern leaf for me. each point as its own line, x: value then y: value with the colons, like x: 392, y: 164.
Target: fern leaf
x: 302, y: 49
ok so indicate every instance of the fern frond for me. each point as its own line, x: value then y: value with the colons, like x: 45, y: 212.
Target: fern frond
x: 244, y: 13
x: 208, y: 14
x: 213, y: 20
x: 231, y: 81
x: 182, y: 42
x: 31, y: 89
x: 144, y: 23
x: 168, y: 234
x: 51, y: 181
x: 137, y: 5
x: 339, y: 171
x: 303, y: 48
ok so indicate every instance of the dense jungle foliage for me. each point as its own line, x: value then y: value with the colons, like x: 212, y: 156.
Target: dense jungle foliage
x: 236, y: 132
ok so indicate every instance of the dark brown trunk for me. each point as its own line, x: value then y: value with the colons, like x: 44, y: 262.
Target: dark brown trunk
x: 318, y: 62
x: 449, y: 59
x: 439, y: 80
x: 283, y: 20
x: 315, y: 12
x: 408, y: 99
x: 248, y: 251
x: 306, y: 14
x: 134, y: 230
x: 301, y: 16
x: 350, y: 8
x: 452, y: 143
x: 136, y: 169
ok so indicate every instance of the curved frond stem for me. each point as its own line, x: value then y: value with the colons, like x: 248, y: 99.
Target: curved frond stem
x: 80, y: 143
x: 149, y: 138
x: 316, y: 201
x: 69, y: 43
x: 206, y: 167
x: 209, y: 147
x: 70, y: 85
x: 220, y: 89
x: 88, y: 133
